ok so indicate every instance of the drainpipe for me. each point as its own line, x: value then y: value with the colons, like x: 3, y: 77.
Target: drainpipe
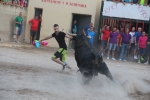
x: 100, y: 21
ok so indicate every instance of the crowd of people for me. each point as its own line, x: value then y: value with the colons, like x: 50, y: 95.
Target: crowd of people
x: 122, y: 42
x: 19, y: 3
x: 140, y: 2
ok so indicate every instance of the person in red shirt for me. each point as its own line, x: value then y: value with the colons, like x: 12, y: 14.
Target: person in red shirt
x: 34, y: 23
x: 142, y: 46
x: 106, y: 33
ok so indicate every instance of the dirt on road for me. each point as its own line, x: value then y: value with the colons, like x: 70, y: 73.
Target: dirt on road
x: 29, y: 74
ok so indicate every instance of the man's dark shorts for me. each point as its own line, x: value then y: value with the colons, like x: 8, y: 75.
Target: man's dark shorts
x: 132, y: 46
x: 142, y: 51
x: 33, y: 33
x: 103, y: 43
x: 148, y: 50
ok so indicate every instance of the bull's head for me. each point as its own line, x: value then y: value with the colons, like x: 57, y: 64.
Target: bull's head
x: 81, y: 40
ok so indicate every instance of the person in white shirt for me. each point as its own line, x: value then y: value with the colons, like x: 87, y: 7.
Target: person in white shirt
x: 132, y: 33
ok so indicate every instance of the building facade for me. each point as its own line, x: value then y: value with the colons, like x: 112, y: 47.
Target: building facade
x: 62, y: 12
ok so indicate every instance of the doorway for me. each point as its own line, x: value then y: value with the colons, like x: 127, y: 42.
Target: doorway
x: 38, y: 11
x: 82, y: 22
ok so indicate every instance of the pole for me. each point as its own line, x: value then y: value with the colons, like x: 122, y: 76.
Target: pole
x: 100, y: 21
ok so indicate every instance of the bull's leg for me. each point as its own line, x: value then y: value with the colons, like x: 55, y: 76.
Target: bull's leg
x: 103, y: 69
x: 88, y: 80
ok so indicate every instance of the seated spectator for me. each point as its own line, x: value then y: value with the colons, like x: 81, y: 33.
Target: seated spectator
x: 142, y: 46
x: 125, y: 42
x: 135, y: 1
x: 126, y: 1
x: 113, y: 43
x: 117, y: 1
x: 6, y: 2
x: 142, y: 2
x: 148, y: 51
x: 15, y: 2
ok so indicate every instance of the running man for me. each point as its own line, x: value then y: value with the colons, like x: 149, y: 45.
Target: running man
x: 62, y: 51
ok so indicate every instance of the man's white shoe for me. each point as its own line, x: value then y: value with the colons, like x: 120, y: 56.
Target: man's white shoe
x: 107, y: 57
x: 113, y: 59
x: 135, y: 57
x: 124, y: 60
x: 146, y: 63
x: 119, y: 59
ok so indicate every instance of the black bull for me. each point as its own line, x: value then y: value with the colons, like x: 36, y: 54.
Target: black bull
x: 89, y: 61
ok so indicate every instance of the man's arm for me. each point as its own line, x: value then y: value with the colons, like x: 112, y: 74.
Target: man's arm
x: 84, y: 31
x: 104, y: 28
x: 49, y: 37
x: 72, y: 34
x: 30, y: 22
x: 68, y: 36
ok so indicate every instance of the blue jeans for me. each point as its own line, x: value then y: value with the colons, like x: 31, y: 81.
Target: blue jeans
x: 124, y: 50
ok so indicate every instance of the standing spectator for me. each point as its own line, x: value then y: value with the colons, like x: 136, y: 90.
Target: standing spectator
x: 118, y: 47
x: 18, y: 22
x: 73, y: 31
x: 142, y: 46
x: 86, y: 29
x: 106, y: 33
x: 136, y: 39
x: 148, y: 51
x: 122, y: 30
x: 132, y: 33
x: 91, y: 35
x: 34, y: 23
x: 125, y: 43
x: 113, y: 42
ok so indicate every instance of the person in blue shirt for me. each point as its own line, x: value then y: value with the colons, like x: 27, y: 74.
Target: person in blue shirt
x: 136, y: 39
x: 91, y: 35
x: 73, y: 31
x: 86, y: 29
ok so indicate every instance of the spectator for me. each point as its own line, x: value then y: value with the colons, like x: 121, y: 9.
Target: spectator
x: 91, y: 35
x: 6, y: 2
x: 125, y: 43
x: 136, y: 39
x: 148, y: 51
x: 113, y: 42
x: 34, y: 23
x: 132, y: 33
x: 86, y: 29
x: 117, y: 1
x: 106, y: 33
x: 126, y: 1
x: 135, y: 1
x: 122, y: 30
x: 15, y: 2
x: 18, y: 24
x: 142, y: 2
x: 73, y: 30
x: 142, y: 46
x: 148, y: 2
x: 118, y: 47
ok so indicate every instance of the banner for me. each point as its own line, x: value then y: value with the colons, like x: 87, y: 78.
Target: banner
x: 120, y: 10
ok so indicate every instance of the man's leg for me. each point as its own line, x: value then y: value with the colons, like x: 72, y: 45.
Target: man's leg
x: 139, y: 55
x: 135, y: 52
x: 125, y: 51
x: 122, y: 52
x: 70, y: 44
x: 110, y: 47
x: 35, y: 35
x: 15, y: 34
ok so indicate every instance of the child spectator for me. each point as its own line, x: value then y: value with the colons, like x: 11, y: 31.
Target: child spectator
x: 142, y: 46
x: 106, y: 33
x: 125, y: 43
x: 136, y: 39
x: 113, y: 43
x: 91, y: 35
x: 148, y: 51
x: 132, y: 33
